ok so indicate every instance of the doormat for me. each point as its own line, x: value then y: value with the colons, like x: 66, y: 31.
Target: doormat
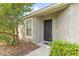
x: 47, y: 43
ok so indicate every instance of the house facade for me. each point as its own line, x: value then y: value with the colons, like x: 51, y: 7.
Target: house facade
x: 56, y: 21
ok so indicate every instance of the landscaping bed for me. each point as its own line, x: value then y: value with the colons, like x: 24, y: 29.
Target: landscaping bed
x: 21, y: 49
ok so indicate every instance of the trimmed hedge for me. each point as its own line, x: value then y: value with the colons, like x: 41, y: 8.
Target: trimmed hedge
x: 64, y: 48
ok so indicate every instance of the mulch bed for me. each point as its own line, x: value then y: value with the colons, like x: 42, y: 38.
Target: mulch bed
x: 21, y: 49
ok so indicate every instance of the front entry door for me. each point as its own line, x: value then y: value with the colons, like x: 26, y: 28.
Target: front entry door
x: 48, y: 30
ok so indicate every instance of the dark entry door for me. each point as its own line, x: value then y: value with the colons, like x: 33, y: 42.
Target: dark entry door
x: 48, y: 30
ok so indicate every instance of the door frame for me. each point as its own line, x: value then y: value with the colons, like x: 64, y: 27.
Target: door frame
x: 44, y: 29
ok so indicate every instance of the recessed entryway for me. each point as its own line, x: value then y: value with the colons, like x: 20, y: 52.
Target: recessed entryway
x: 48, y: 30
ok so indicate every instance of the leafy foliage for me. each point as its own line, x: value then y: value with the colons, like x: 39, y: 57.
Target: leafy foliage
x: 64, y: 48
x: 10, y: 17
x: 8, y: 39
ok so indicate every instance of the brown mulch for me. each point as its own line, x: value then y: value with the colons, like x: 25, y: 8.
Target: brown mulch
x: 21, y: 49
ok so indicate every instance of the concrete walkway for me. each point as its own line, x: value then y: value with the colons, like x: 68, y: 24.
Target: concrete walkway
x: 42, y: 51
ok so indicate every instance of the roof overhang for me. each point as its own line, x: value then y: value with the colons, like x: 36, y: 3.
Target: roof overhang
x: 49, y: 9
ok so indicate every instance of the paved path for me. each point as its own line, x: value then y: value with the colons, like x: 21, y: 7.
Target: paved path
x: 42, y: 51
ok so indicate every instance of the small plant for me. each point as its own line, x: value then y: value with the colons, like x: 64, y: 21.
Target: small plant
x: 64, y: 48
x: 8, y: 39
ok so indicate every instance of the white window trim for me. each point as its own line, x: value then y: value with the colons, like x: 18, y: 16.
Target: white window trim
x: 31, y: 28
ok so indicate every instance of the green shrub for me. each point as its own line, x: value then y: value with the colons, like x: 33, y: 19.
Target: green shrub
x: 64, y: 48
x: 9, y: 39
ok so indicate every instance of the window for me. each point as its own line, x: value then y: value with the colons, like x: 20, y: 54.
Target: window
x: 28, y: 28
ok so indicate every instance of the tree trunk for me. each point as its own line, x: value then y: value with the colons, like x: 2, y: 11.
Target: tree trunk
x: 17, y: 37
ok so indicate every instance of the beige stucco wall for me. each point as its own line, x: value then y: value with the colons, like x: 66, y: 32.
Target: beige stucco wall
x: 59, y: 22
x: 74, y: 23
x: 37, y: 29
x: 65, y: 25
